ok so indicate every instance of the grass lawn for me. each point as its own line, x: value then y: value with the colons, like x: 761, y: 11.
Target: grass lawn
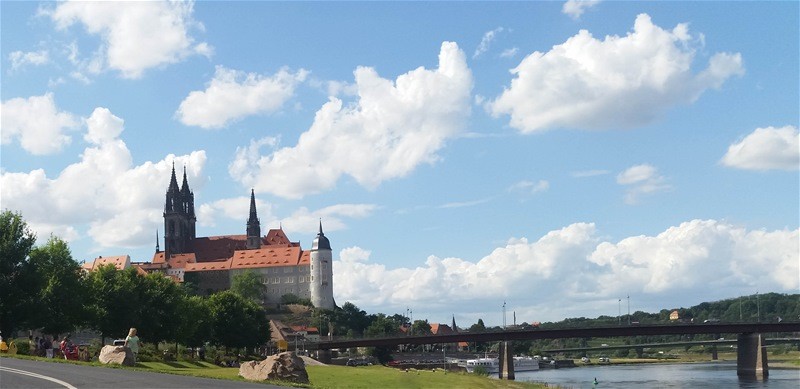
x: 328, y: 377
x: 324, y: 377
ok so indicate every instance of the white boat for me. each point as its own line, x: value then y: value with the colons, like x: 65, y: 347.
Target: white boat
x: 492, y: 365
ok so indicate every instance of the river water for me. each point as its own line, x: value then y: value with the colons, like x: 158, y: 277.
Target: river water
x: 660, y: 375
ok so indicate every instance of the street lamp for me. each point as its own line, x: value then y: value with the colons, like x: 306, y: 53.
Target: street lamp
x: 629, y: 309
x: 619, y: 312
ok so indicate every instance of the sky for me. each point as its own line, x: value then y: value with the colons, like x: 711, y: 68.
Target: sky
x: 565, y: 159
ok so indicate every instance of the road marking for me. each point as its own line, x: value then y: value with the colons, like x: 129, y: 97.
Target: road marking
x: 44, y: 377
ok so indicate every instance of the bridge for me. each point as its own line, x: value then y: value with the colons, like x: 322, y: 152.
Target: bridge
x: 751, y: 351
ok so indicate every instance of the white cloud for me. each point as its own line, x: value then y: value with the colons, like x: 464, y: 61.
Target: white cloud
x: 391, y: 128
x: 117, y: 203
x: 579, y: 273
x: 531, y: 187
x: 508, y: 53
x: 619, y: 82
x: 576, y: 8
x: 37, y: 122
x: 487, y: 39
x: 136, y: 35
x: 641, y: 179
x: 465, y: 204
x: 765, y: 149
x: 236, y: 208
x: 232, y: 95
x: 20, y: 59
x: 589, y: 173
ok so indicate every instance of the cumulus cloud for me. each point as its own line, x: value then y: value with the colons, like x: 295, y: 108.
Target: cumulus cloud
x: 21, y: 59
x: 103, y: 195
x: 765, y: 149
x: 576, y: 8
x: 487, y: 39
x: 618, y: 82
x: 37, y: 123
x: 706, y: 258
x: 232, y: 95
x: 641, y: 180
x: 136, y: 35
x: 392, y: 127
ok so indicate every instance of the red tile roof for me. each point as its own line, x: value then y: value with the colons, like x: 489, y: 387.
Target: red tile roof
x: 441, y: 329
x: 119, y: 261
x: 266, y: 257
x: 206, y: 266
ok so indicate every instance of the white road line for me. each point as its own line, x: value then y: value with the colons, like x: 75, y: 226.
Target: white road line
x: 44, y: 377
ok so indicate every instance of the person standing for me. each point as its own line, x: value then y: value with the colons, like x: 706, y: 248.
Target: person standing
x: 132, y: 341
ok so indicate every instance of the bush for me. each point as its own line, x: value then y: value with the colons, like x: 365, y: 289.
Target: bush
x: 23, y: 346
x: 480, y: 370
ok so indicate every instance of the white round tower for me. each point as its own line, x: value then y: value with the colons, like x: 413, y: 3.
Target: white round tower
x: 321, y: 272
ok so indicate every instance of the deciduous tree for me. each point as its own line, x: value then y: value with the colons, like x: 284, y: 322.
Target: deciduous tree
x: 17, y: 276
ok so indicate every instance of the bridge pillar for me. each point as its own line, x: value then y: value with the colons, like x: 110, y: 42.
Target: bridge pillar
x: 639, y: 352
x: 714, y: 355
x: 751, y: 356
x: 506, y: 361
x: 324, y: 356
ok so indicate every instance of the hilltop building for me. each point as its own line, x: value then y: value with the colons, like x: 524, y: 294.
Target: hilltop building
x: 211, y: 262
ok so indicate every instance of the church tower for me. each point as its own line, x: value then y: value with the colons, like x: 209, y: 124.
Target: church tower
x: 321, y: 272
x: 253, y: 225
x: 179, y: 217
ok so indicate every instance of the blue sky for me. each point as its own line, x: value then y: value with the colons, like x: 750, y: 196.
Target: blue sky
x: 556, y: 156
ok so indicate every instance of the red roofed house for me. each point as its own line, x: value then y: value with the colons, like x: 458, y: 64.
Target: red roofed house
x: 211, y: 262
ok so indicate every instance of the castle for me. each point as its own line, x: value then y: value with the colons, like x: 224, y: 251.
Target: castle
x: 212, y: 262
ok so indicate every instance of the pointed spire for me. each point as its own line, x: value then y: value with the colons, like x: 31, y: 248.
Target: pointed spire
x: 185, y: 184
x: 173, y: 182
x: 157, y: 248
x: 320, y: 228
x: 253, y: 225
x: 253, y: 213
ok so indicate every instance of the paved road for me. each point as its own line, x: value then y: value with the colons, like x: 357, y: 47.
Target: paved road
x: 19, y: 373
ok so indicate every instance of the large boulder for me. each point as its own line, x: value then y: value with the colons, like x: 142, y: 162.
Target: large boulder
x: 282, y: 367
x: 117, y: 354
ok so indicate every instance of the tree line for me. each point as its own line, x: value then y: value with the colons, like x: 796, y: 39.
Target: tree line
x: 44, y: 288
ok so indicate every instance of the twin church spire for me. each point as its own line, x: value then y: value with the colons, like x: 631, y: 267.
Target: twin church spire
x: 180, y: 220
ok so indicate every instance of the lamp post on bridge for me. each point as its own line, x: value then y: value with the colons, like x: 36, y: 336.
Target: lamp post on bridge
x: 629, y: 310
x: 619, y: 312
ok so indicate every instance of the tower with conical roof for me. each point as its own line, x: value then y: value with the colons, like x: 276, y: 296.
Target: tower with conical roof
x: 253, y: 225
x: 179, y: 217
x: 321, y: 287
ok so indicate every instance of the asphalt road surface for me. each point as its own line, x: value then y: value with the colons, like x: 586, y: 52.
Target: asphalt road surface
x: 19, y: 373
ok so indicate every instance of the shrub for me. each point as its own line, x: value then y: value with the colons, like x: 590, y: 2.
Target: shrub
x: 480, y: 370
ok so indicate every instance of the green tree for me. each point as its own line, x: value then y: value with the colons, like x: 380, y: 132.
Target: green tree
x: 421, y: 327
x: 115, y: 303
x: 248, y: 285
x: 236, y: 321
x: 349, y: 318
x: 382, y: 325
x: 161, y: 300
x: 17, y: 276
x: 61, y: 288
x: 195, y: 321
x: 478, y: 327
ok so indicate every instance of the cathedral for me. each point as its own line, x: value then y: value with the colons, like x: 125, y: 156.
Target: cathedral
x: 211, y: 262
